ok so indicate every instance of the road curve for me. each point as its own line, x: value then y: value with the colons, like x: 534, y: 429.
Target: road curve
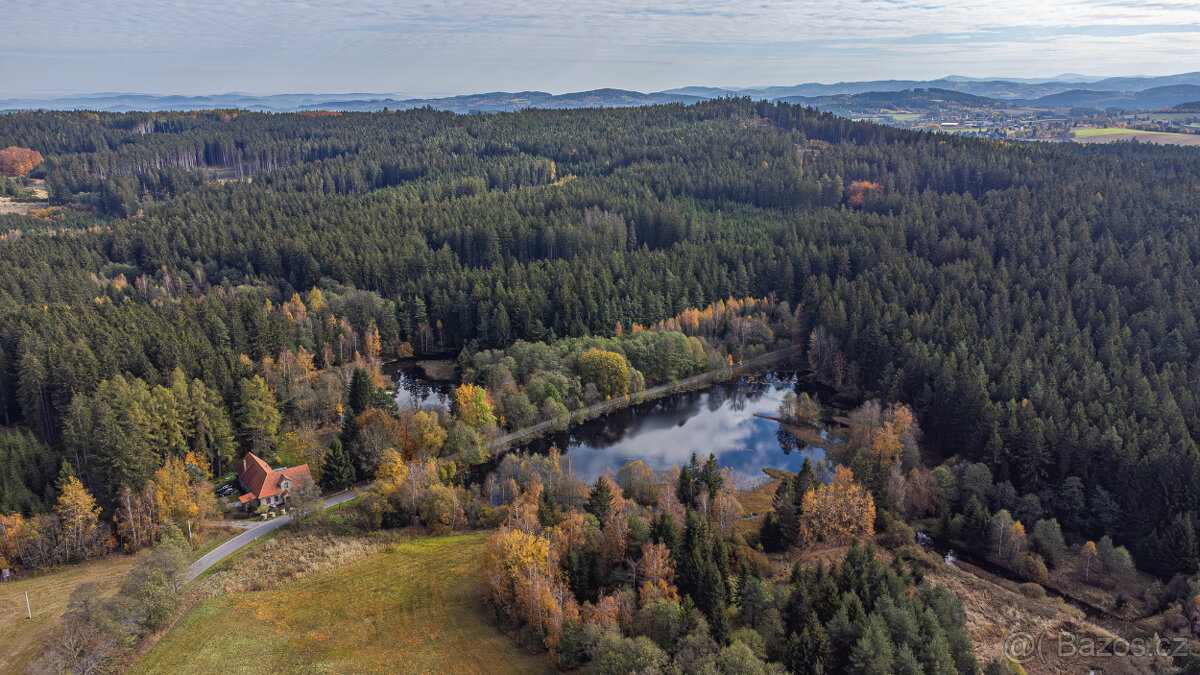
x: 254, y: 532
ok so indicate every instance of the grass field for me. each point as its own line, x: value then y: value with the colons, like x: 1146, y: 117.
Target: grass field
x: 415, y: 608
x: 22, y: 640
x: 1112, y: 134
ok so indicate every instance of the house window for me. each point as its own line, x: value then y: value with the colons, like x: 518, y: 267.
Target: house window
x: 287, y: 484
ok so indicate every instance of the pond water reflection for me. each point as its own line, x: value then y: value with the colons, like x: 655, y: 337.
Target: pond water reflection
x: 664, y: 433
x: 414, y: 390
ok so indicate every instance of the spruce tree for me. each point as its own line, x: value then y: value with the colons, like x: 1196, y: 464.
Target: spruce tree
x: 664, y: 531
x: 1177, y: 548
x: 600, y: 500
x: 808, y: 652
x: 337, y: 471
x: 906, y: 662
x: 804, y: 482
x: 358, y: 398
x: 874, y: 653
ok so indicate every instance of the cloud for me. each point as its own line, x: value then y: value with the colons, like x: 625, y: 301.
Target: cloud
x: 183, y: 46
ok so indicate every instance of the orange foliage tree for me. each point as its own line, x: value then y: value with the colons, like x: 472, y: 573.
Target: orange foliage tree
x: 838, y: 512
x: 16, y: 161
x: 658, y: 575
x: 859, y: 190
x: 519, y: 581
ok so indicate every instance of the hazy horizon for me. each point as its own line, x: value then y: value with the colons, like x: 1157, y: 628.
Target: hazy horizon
x: 444, y: 47
x: 50, y: 94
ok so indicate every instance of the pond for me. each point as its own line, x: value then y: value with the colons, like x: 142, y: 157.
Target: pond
x: 413, y: 390
x: 720, y: 420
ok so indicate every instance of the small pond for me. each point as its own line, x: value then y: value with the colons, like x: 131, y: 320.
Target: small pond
x: 720, y: 420
x: 412, y: 389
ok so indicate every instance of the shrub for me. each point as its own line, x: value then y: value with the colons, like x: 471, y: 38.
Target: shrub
x: 661, y: 621
x: 615, y: 655
x: 1031, y: 566
x: 1031, y: 590
x: 441, y: 511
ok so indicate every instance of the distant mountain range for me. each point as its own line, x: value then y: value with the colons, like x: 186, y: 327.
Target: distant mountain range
x: 1064, y: 91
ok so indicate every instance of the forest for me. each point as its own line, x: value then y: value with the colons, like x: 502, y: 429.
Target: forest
x: 209, y: 283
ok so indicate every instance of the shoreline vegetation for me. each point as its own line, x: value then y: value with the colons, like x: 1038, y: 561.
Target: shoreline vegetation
x: 519, y: 437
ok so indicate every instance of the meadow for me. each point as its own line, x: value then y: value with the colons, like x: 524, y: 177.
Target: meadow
x: 22, y: 639
x: 1113, y: 134
x: 415, y: 607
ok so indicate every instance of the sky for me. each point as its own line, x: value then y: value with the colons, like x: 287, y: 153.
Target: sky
x: 441, y: 47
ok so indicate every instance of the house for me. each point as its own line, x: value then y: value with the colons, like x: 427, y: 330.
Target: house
x: 269, y: 486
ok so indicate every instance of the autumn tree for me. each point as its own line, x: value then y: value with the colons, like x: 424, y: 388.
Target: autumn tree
x: 838, y: 512
x: 424, y: 435
x: 79, y: 515
x: 304, y: 502
x: 1089, y: 557
x: 135, y: 518
x: 472, y: 407
x: 520, y: 583
x: 377, y: 431
x: 800, y: 410
x: 181, y: 494
x: 658, y: 575
x: 17, y: 161
x: 608, y: 371
x: 637, y: 481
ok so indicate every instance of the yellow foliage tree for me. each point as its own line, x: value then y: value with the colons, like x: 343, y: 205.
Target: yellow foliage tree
x: 471, y: 405
x: 424, y: 436
x: 609, y: 371
x: 78, y: 513
x: 886, y: 444
x: 10, y: 533
x: 838, y: 512
x: 1016, y: 535
x: 1088, y: 555
x: 174, y: 497
x: 513, y: 559
x: 658, y: 575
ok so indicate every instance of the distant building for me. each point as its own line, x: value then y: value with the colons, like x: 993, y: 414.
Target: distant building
x: 949, y: 124
x: 269, y: 486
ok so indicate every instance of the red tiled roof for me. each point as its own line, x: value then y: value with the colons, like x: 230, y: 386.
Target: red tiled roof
x: 262, y: 481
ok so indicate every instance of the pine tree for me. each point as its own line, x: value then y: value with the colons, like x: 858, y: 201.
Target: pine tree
x: 1176, y: 550
x: 337, y: 472
x: 808, y: 651
x: 805, y: 480
x: 873, y: 653
x: 664, y: 531
x: 358, y: 398
x: 600, y: 499
x: 907, y: 663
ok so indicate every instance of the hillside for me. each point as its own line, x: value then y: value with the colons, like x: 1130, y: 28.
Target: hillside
x: 1063, y: 91
x: 924, y: 100
x: 1148, y: 99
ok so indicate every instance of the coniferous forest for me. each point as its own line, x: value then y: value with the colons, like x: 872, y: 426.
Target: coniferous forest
x: 1035, y: 305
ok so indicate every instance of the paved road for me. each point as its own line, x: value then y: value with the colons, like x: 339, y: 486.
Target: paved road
x: 253, y: 532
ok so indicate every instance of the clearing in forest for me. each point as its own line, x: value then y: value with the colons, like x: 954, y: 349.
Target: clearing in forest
x: 22, y: 640
x: 415, y: 608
